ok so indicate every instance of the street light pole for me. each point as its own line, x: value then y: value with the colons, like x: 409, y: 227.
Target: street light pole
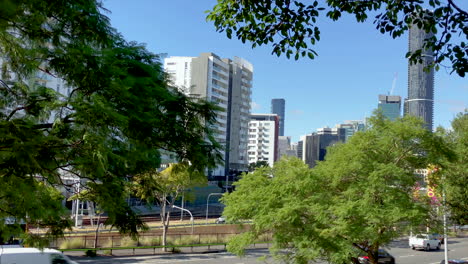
x: 207, y: 199
x: 445, y: 229
x: 190, y: 213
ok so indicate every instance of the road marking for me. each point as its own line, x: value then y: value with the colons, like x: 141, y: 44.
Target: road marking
x: 407, y: 256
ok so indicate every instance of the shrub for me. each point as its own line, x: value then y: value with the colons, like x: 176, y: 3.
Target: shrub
x: 91, y: 253
x: 72, y: 243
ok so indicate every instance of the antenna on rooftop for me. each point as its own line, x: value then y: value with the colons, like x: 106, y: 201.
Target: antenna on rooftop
x: 395, y: 77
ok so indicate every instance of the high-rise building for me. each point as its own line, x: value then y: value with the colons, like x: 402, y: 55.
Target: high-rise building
x: 240, y: 84
x: 314, y: 146
x: 263, y: 138
x: 420, y: 101
x: 277, y: 107
x: 390, y: 105
x: 284, y: 145
x: 351, y: 127
x: 227, y: 83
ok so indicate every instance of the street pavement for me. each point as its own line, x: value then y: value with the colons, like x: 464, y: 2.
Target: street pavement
x: 458, y: 249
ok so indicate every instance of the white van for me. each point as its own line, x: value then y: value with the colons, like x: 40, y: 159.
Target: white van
x: 32, y: 255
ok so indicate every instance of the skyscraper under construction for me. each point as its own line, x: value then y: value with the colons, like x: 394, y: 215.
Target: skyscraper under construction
x: 420, y: 101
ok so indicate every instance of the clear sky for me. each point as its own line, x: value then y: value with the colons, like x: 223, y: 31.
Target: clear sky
x: 355, y: 64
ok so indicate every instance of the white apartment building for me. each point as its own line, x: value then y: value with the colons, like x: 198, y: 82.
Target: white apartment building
x: 263, y: 138
x: 227, y: 83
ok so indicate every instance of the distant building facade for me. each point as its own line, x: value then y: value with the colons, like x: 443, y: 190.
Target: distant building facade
x: 263, y: 138
x: 351, y: 127
x: 390, y: 105
x: 284, y: 145
x: 278, y: 107
x: 314, y: 146
x: 228, y: 83
x: 420, y: 101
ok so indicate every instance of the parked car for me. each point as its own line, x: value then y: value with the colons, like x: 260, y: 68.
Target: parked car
x: 220, y: 220
x: 424, y: 241
x: 440, y: 237
x: 383, y: 257
x: 455, y: 261
x: 21, y: 255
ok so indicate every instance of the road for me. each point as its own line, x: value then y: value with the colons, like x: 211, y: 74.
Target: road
x: 458, y: 249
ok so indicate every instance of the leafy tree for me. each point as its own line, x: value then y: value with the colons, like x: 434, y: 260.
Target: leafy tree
x: 292, y: 26
x: 118, y: 113
x: 356, y: 201
x: 455, y: 176
x: 165, y: 187
x: 259, y: 164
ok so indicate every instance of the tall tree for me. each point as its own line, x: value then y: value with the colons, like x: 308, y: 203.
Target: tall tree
x: 165, y: 187
x: 118, y: 114
x: 354, y: 202
x: 292, y: 26
x: 454, y: 176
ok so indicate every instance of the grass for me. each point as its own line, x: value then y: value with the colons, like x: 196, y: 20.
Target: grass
x: 72, y: 243
x: 128, y: 242
x: 150, y: 241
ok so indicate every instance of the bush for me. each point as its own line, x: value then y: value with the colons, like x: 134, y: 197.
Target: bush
x: 72, y: 243
x: 91, y: 253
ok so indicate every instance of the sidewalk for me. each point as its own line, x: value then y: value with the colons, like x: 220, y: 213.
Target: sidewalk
x: 158, y: 251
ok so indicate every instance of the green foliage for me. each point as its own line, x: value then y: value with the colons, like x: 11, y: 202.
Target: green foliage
x: 91, y: 253
x: 292, y: 26
x: 357, y: 200
x: 454, y: 173
x: 118, y: 115
x: 259, y: 164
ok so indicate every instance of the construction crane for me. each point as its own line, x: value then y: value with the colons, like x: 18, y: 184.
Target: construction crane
x: 395, y: 77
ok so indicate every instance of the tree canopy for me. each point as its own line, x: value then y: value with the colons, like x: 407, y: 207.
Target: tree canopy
x: 354, y: 202
x: 292, y: 26
x: 454, y: 176
x: 117, y: 115
x: 164, y: 188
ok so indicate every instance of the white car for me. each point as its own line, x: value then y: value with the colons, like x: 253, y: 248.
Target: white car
x: 220, y: 220
x: 424, y: 241
x: 19, y: 255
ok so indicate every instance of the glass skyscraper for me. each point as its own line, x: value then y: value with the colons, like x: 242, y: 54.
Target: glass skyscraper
x: 420, y: 101
x: 277, y: 107
x: 390, y: 106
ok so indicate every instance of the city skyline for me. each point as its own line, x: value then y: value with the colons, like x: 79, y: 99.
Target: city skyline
x: 354, y: 65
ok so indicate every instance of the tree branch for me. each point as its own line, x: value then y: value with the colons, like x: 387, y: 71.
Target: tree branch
x: 451, y: 3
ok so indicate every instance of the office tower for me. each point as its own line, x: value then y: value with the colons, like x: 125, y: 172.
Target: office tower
x: 299, y: 149
x: 351, y: 127
x: 227, y: 83
x: 263, y: 138
x: 284, y: 145
x: 314, y: 146
x: 420, y: 101
x: 277, y: 107
x: 240, y: 84
x: 390, y: 105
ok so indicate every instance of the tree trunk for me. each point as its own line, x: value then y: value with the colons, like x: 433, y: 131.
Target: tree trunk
x: 97, y: 231
x: 162, y: 213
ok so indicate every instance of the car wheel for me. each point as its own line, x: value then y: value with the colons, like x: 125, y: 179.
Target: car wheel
x: 438, y: 246
x: 413, y: 248
x: 428, y: 247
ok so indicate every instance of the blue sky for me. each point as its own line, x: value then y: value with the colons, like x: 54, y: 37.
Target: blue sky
x: 355, y: 63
